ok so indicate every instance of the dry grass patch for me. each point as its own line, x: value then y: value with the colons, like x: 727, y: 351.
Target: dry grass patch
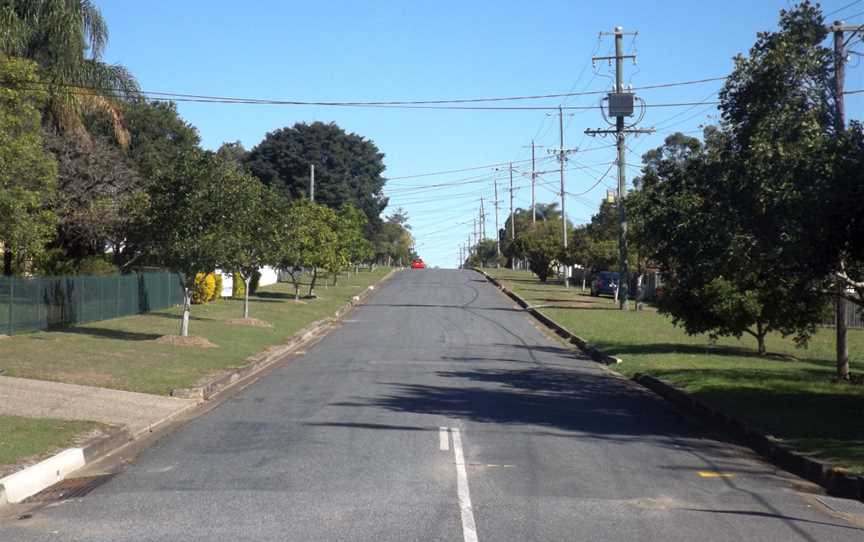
x: 177, y: 340
x: 254, y: 322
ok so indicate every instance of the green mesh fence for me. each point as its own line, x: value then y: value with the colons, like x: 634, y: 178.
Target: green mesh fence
x: 32, y: 304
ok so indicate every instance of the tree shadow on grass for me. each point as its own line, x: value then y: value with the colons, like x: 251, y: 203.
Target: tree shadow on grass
x: 623, y: 349
x: 433, y: 306
x: 168, y: 315
x: 585, y: 300
x: 579, y: 308
x: 282, y: 296
x: 116, y: 334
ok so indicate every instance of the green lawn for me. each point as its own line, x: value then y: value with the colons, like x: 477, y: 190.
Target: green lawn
x: 793, y: 399
x: 22, y: 439
x: 122, y: 353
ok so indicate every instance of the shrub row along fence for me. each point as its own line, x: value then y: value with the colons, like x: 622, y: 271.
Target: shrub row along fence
x: 33, y: 304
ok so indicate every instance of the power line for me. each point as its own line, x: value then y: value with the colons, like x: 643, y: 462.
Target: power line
x: 499, y: 164
x: 180, y: 96
x: 593, y: 186
x: 838, y: 10
x: 444, y: 172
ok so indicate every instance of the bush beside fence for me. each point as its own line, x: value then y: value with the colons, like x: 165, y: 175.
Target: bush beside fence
x: 37, y: 303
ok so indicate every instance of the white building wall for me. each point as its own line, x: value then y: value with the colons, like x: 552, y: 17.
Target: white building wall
x: 268, y: 276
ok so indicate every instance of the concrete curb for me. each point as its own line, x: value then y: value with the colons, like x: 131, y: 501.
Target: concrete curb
x: 31, y: 480
x: 268, y: 357
x: 835, y: 480
x: 25, y: 483
x: 559, y: 330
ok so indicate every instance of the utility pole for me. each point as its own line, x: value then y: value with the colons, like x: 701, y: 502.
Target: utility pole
x: 512, y: 218
x: 533, y: 182
x: 482, y: 220
x: 475, y: 232
x: 561, y: 156
x: 497, y: 231
x: 839, y: 29
x: 621, y: 104
x: 312, y: 182
x: 534, y: 175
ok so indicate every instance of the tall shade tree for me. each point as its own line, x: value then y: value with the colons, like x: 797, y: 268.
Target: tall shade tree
x: 189, y: 228
x: 99, y: 196
x: 719, y: 277
x: 781, y: 154
x: 348, y: 167
x: 158, y: 135
x: 27, y: 172
x: 393, y: 244
x: 66, y: 39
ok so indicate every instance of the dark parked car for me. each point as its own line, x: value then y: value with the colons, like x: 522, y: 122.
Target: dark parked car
x: 606, y: 282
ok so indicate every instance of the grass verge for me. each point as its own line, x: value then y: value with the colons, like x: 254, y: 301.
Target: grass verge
x: 791, y: 398
x: 123, y: 353
x: 26, y: 439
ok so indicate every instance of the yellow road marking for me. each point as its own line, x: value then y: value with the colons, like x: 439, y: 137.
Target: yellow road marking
x: 714, y: 474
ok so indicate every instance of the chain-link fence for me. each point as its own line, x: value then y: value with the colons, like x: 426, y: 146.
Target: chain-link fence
x: 854, y: 316
x: 32, y: 304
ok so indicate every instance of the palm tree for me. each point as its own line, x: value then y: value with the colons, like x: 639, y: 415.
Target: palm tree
x: 66, y: 38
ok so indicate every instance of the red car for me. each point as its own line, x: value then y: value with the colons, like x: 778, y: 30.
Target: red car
x: 418, y: 264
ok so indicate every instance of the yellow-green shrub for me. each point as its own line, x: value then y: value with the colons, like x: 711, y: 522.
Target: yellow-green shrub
x: 239, y: 289
x: 205, y: 287
x: 217, y: 292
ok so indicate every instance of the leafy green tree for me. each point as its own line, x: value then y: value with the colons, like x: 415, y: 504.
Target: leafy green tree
x: 485, y: 254
x: 307, y: 240
x: 253, y: 240
x: 393, y: 243
x: 352, y: 242
x: 189, y: 228
x: 522, y: 219
x: 234, y: 152
x: 348, y: 167
x: 542, y: 246
x: 779, y: 155
x: 100, y: 195
x: 66, y: 39
x: 27, y: 172
x: 719, y: 279
x: 158, y: 135
x: 841, y: 217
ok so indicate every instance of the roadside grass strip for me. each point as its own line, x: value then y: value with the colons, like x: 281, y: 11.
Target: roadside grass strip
x: 790, y: 395
x: 124, y: 353
x: 25, y: 440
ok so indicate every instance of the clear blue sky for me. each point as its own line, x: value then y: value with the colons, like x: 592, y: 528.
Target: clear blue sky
x: 397, y: 50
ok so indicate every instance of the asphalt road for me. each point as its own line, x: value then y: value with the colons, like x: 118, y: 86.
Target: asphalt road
x: 345, y: 443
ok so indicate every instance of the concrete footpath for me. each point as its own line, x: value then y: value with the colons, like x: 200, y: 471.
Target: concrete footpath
x: 137, y: 412
x: 129, y: 414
